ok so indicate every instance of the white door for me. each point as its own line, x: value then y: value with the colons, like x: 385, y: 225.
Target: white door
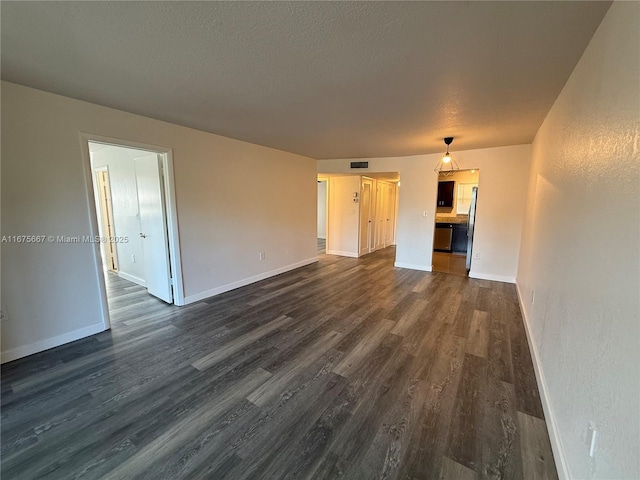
x: 366, y: 238
x: 381, y: 196
x: 106, y: 227
x: 390, y: 215
x: 153, y: 226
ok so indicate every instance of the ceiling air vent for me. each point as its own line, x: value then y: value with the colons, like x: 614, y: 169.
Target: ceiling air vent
x: 359, y: 164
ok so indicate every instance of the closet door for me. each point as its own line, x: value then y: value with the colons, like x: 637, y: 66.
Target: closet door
x: 366, y: 217
x: 381, y: 196
x: 390, y: 213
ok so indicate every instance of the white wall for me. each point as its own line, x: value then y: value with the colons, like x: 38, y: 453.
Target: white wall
x: 501, y: 202
x: 580, y: 254
x: 322, y: 209
x: 344, y: 216
x: 234, y: 200
x: 126, y: 218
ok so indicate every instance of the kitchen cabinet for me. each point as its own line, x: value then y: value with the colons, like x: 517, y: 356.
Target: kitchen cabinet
x: 445, y: 193
x: 443, y: 237
x: 463, y: 197
x: 459, y: 240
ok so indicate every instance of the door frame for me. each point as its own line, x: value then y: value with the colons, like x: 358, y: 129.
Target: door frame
x: 166, y: 154
x: 435, y: 215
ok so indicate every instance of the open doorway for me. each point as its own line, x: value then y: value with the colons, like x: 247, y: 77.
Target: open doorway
x: 136, y: 227
x: 455, y: 222
x: 360, y: 213
x: 323, y: 187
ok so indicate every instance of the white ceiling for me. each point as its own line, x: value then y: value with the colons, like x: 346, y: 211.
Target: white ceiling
x: 323, y: 79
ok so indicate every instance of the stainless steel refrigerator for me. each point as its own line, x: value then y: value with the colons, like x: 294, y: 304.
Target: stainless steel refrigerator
x: 471, y: 224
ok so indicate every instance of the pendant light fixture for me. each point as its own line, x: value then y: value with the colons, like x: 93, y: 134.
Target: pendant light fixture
x: 446, y: 165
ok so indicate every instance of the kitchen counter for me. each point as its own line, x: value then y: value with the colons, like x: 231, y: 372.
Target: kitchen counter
x: 456, y: 219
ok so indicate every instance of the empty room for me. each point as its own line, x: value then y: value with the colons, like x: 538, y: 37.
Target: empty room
x: 268, y: 240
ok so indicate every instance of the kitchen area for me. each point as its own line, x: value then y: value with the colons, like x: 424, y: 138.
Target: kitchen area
x: 455, y: 222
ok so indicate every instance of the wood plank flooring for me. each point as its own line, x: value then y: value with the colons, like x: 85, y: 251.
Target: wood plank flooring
x: 348, y: 368
x: 454, y: 263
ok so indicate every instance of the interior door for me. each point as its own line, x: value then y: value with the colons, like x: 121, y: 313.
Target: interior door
x: 390, y: 220
x: 366, y: 217
x: 106, y: 219
x: 471, y: 225
x: 381, y: 199
x: 153, y: 226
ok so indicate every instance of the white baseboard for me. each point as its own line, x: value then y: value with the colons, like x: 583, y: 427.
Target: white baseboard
x: 46, y: 344
x: 132, y: 278
x: 342, y: 254
x: 490, y: 276
x: 554, y: 434
x: 413, y: 266
x: 246, y: 281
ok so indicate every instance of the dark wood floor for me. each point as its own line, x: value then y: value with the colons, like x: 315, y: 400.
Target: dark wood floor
x: 348, y: 368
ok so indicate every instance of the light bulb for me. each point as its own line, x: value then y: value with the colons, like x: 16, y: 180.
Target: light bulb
x: 446, y: 158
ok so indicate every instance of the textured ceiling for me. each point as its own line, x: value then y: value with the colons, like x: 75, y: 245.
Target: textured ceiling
x: 323, y: 79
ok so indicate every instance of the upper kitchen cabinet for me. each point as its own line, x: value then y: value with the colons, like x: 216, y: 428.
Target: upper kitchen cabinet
x: 445, y: 193
x: 463, y: 198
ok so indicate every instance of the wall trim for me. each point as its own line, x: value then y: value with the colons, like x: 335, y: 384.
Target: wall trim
x: 132, y: 278
x: 46, y: 344
x: 492, y: 277
x: 246, y: 281
x: 552, y: 426
x: 413, y: 266
x: 342, y: 254
x: 322, y: 237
